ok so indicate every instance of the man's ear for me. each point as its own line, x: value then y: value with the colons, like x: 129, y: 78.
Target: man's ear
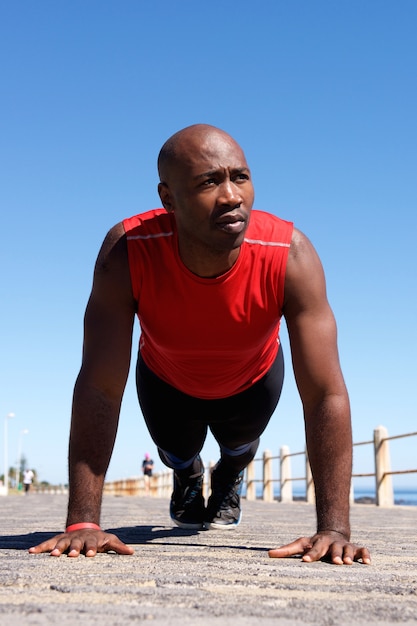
x: 166, y: 199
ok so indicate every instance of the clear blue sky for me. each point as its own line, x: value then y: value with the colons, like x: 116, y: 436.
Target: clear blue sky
x: 321, y: 95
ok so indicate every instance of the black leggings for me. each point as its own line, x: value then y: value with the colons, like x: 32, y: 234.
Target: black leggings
x: 178, y: 423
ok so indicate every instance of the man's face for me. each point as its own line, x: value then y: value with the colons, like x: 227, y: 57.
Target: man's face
x: 210, y: 192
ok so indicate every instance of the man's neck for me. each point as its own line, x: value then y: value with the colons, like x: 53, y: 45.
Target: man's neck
x: 211, y: 264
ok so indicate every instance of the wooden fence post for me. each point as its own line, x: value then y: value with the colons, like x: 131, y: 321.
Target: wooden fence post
x: 156, y: 485
x: 285, y: 474
x: 310, y: 492
x: 207, y: 479
x: 268, y: 485
x: 384, y: 491
x: 250, y: 481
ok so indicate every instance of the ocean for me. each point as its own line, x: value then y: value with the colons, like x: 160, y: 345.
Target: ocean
x: 404, y: 496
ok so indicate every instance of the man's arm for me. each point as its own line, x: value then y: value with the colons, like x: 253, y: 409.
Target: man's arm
x: 313, y: 338
x: 98, y: 393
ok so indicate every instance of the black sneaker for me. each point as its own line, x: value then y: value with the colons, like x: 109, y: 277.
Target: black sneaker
x: 187, y: 503
x: 223, y: 507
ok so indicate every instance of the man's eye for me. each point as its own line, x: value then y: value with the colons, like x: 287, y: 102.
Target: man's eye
x: 209, y: 181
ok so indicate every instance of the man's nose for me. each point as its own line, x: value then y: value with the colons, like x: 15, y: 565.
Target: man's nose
x: 229, y: 194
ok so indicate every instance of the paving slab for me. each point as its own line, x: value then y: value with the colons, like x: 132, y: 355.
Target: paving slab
x: 206, y: 578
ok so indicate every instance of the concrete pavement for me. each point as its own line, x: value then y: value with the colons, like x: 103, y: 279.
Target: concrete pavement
x: 212, y: 578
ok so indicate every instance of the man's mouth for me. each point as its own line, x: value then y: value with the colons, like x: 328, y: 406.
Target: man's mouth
x: 232, y: 223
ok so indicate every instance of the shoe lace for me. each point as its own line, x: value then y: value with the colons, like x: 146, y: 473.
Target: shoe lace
x: 227, y: 491
x: 191, y: 489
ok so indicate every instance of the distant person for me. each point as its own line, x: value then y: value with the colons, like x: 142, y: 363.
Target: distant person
x: 209, y: 280
x: 147, y: 465
x: 28, y: 477
x: 147, y: 469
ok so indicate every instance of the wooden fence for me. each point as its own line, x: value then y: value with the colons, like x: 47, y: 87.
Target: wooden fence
x: 160, y: 485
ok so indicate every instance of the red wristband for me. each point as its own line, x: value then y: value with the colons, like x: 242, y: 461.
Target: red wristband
x: 82, y: 526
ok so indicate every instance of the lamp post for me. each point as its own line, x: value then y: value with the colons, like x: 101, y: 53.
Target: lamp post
x: 19, y: 456
x: 6, y: 450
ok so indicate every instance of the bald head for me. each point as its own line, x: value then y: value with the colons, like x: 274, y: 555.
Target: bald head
x: 205, y: 183
x: 188, y: 143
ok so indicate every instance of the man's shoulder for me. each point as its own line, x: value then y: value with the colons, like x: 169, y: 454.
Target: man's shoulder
x: 153, y: 222
x: 267, y: 227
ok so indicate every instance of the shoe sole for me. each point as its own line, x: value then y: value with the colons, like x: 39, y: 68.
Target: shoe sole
x: 216, y: 526
x: 188, y: 525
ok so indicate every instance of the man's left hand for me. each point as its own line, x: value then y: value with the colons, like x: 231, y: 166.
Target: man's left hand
x: 331, y: 545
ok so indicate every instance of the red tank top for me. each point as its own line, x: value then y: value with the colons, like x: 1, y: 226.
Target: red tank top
x: 208, y: 337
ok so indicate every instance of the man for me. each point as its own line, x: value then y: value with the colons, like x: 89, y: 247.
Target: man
x: 28, y: 477
x: 209, y: 280
x: 147, y: 470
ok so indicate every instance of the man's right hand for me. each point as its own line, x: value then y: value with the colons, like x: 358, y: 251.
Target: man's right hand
x: 87, y: 542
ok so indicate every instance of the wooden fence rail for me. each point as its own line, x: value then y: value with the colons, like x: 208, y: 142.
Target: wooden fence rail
x: 160, y: 484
